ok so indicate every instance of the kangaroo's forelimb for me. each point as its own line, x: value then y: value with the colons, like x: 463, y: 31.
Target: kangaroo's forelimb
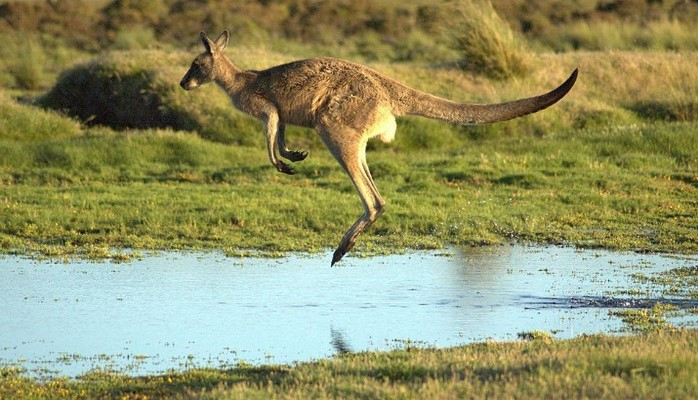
x: 272, y: 128
x: 291, y: 155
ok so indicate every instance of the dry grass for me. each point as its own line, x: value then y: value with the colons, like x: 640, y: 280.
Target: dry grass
x: 600, y: 35
x: 658, y: 365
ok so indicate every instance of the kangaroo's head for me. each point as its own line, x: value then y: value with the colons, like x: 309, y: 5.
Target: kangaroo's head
x: 203, y: 68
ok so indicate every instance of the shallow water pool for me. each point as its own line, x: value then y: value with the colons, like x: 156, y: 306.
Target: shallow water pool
x: 177, y: 311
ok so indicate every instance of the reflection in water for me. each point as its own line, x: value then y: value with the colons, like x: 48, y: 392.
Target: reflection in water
x: 193, y: 310
x: 339, y: 342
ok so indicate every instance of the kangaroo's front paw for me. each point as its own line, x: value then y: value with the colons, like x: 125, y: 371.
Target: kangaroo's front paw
x: 285, y: 168
x: 296, y: 156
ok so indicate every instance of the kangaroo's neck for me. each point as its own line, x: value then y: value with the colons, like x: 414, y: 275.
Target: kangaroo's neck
x: 229, y: 76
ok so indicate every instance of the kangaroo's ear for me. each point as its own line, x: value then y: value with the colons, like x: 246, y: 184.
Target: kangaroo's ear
x: 208, y: 43
x: 222, y: 41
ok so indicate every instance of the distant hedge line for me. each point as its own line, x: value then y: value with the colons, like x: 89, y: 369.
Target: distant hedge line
x: 90, y: 25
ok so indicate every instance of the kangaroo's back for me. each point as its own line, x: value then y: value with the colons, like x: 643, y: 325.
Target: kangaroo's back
x: 303, y: 90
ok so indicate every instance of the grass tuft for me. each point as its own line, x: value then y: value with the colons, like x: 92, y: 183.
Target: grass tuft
x: 486, y: 42
x: 28, y: 70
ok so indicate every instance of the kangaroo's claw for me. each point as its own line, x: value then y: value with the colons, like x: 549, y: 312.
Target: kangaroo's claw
x: 285, y: 168
x: 296, y: 156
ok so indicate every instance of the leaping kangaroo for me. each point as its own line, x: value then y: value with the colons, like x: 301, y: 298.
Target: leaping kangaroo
x: 347, y: 104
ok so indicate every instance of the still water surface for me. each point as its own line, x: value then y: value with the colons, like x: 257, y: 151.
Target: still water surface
x: 175, y: 311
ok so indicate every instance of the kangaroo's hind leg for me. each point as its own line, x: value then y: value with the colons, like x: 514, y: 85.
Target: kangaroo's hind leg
x: 351, y: 155
x: 292, y: 155
x: 373, y: 203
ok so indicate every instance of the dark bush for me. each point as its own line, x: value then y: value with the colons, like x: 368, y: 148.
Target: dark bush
x: 102, y: 93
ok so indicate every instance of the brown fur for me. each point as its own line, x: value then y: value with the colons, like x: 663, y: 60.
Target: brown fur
x: 347, y: 104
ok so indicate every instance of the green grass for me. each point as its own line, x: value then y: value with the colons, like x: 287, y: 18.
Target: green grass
x: 655, y: 365
x: 23, y: 124
x: 629, y: 188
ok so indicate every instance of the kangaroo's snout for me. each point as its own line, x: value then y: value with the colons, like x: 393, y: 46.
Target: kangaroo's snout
x: 189, y: 81
x: 186, y: 84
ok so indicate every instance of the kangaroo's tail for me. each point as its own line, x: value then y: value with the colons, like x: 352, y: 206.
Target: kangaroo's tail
x: 434, y: 107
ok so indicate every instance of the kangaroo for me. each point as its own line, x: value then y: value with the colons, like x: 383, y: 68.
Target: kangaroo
x: 347, y: 104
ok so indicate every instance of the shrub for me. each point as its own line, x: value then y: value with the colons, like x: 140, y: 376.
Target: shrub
x: 109, y: 93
